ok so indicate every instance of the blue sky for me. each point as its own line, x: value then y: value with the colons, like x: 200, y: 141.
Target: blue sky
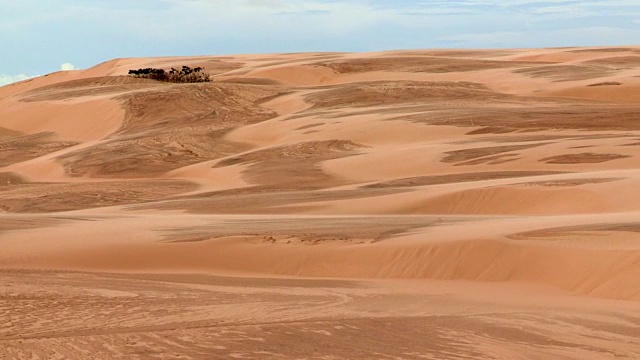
x: 39, y: 36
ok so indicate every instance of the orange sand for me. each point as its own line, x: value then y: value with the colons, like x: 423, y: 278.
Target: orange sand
x: 409, y: 204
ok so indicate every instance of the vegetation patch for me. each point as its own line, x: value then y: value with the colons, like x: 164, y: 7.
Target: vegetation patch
x: 185, y: 75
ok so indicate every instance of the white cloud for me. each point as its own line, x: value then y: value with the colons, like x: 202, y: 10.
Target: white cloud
x: 495, y: 39
x: 67, y: 66
x: 8, y: 79
x: 585, y: 36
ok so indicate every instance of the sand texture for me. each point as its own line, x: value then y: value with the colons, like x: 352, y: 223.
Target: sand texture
x: 426, y: 204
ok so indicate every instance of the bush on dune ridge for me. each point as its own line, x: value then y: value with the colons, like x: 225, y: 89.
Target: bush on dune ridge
x: 185, y: 75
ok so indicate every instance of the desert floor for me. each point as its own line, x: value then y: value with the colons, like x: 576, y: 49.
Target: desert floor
x: 443, y: 204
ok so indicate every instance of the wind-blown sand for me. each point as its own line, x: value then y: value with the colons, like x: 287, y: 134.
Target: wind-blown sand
x: 402, y: 205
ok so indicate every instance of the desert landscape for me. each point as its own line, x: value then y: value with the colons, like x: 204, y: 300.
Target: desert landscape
x: 426, y: 204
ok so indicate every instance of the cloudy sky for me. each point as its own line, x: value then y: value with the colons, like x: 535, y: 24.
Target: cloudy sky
x: 42, y: 36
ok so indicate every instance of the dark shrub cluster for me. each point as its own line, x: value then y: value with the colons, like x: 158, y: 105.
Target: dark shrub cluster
x: 185, y: 75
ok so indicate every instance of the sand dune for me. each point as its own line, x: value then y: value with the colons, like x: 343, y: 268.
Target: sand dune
x: 420, y: 204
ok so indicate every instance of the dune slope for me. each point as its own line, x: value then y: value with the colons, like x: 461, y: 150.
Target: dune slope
x: 487, y: 200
